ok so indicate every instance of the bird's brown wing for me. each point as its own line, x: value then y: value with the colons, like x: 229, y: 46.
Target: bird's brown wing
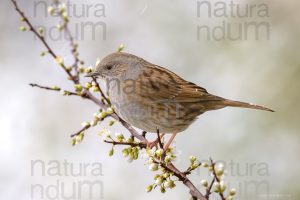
x: 164, y: 85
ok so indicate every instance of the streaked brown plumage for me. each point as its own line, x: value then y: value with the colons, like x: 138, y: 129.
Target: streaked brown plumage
x: 149, y: 96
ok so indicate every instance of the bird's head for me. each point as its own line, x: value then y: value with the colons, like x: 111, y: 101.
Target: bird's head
x: 116, y: 65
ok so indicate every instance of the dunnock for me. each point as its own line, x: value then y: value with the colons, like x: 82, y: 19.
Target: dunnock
x: 148, y: 96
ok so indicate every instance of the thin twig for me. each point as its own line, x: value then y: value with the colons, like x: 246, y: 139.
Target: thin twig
x: 81, y: 130
x: 57, y: 89
x: 88, y: 95
x: 133, y: 144
x: 208, y: 190
x: 216, y: 177
x: 42, y: 39
x: 101, y: 92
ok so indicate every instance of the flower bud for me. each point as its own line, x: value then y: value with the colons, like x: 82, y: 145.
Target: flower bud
x: 232, y: 192
x: 41, y: 30
x: 168, y: 159
x: 166, y: 175
x: 23, y: 28
x: 159, y: 152
x: 93, y: 123
x: 79, y: 137
x: 88, y: 85
x: 74, y: 141
x: 149, y: 188
x: 217, y: 187
x: 159, y: 180
x: 59, y: 60
x: 51, y: 10
x: 222, y: 186
x: 110, y: 111
x: 170, y: 184
x: 120, y: 137
x: 204, y: 183
x: 111, y: 123
x: 111, y: 152
x: 229, y: 198
x: 192, y: 159
x: 204, y: 164
x: 89, y: 70
x: 153, y: 167
x: 121, y: 47
x: 219, y: 169
x: 84, y: 124
x: 162, y: 189
x: 102, y: 115
x: 56, y: 88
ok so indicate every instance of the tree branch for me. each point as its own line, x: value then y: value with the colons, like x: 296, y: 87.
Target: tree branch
x: 182, y: 176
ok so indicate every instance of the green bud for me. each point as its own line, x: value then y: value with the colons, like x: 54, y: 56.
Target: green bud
x: 120, y: 137
x: 102, y: 115
x: 149, y: 188
x: 193, y: 159
x: 129, y: 140
x: 84, y: 124
x: 65, y: 16
x: 166, y: 175
x: 159, y: 152
x: 96, y: 89
x: 159, y: 180
x: 93, y: 122
x: 56, y: 88
x: 59, y: 27
x: 204, y: 164
x: 229, y: 198
x: 79, y: 137
x: 162, y: 189
x: 170, y: 184
x: 78, y: 87
x: 204, y: 183
x: 69, y: 68
x: 121, y: 47
x: 23, y: 28
x: 111, y: 152
x: 110, y: 111
x: 59, y: 60
x: 125, y: 152
x: 168, y: 159
x: 219, y: 169
x: 217, y: 187
x: 74, y: 141
x: 81, y: 69
x: 88, y: 85
x: 232, y: 192
x: 41, y: 30
x: 43, y: 54
x: 153, y: 167
x: 111, y: 123
x: 51, y: 10
x: 135, y: 155
x: 89, y: 70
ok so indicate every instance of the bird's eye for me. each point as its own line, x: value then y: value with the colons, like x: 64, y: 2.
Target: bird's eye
x: 109, y: 67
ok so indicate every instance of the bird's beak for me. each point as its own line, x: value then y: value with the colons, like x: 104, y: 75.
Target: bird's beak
x: 92, y: 74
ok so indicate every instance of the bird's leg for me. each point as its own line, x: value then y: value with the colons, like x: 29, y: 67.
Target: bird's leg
x: 155, y: 142
x: 166, y: 147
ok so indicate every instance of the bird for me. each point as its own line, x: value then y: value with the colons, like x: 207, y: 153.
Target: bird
x: 151, y: 97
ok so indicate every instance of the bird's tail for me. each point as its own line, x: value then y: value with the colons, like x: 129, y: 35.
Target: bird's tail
x: 240, y: 104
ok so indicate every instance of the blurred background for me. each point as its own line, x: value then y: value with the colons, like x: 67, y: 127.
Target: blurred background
x: 259, y: 64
